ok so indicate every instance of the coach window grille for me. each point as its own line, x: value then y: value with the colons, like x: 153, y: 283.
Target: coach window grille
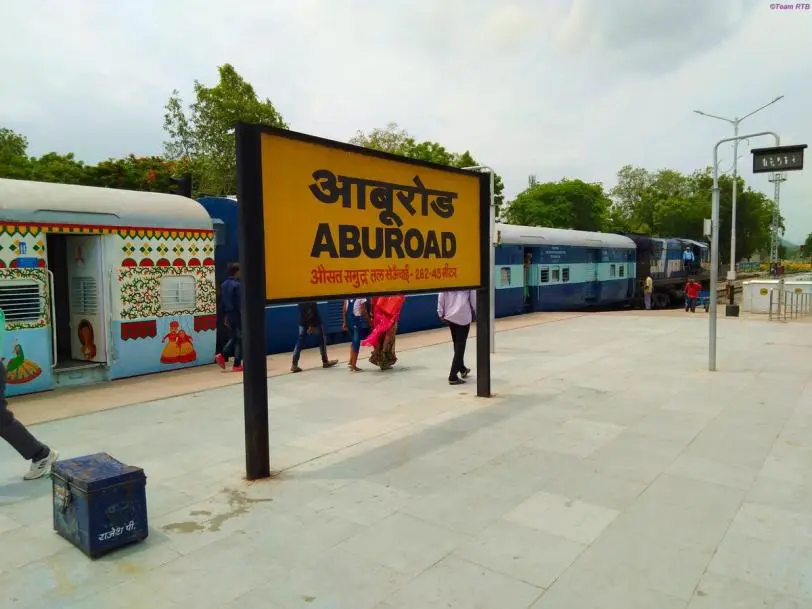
x: 544, y: 276
x: 556, y: 274
x: 612, y: 272
x: 21, y: 300
x: 621, y: 270
x: 178, y: 293
x: 565, y: 274
x: 505, y: 275
x: 84, y: 296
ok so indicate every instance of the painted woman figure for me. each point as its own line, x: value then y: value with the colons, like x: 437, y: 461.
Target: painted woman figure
x: 385, y: 314
x: 186, y: 348
x: 179, y: 348
x: 87, y: 339
x: 20, y: 370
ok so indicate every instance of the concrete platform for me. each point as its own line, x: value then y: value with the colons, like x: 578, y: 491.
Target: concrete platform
x: 611, y: 471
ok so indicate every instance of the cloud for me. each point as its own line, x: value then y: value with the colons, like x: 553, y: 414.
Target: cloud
x: 652, y: 36
x: 555, y: 88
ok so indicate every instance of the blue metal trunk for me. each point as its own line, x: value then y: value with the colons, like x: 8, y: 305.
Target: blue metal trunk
x: 99, y: 503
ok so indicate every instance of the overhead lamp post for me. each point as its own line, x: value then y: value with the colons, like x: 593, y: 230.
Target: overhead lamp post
x: 731, y: 274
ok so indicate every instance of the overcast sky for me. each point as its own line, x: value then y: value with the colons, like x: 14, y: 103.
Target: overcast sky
x: 556, y: 88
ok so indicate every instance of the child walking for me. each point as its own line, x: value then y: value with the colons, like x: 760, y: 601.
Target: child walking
x: 353, y: 314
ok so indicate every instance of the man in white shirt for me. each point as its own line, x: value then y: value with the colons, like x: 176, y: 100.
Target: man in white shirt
x: 457, y: 310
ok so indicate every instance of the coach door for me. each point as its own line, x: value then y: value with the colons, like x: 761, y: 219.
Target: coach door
x: 591, y: 285
x: 88, y: 322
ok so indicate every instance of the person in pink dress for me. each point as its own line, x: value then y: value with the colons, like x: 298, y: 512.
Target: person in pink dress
x: 385, y: 315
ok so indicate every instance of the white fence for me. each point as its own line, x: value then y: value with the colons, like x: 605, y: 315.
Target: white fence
x: 786, y: 305
x: 758, y: 294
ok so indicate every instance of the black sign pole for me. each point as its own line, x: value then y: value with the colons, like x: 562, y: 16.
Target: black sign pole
x: 483, y: 304
x: 252, y: 284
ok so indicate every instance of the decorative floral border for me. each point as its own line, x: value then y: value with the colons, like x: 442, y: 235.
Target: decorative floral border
x: 37, y: 275
x: 141, y: 291
x: 124, y: 232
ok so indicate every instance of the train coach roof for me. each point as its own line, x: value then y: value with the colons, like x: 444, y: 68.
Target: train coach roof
x: 696, y: 243
x: 536, y: 235
x: 47, y: 203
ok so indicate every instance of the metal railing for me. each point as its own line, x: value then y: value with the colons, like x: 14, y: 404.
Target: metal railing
x: 786, y: 305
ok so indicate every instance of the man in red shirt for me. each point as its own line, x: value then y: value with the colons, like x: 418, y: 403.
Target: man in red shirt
x: 692, y: 289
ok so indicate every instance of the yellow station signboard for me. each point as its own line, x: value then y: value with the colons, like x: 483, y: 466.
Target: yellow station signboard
x: 340, y: 220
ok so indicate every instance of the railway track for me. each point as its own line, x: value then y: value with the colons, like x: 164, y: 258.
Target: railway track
x: 737, y: 286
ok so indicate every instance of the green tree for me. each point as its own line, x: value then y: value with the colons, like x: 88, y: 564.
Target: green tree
x: 50, y: 167
x: 630, y: 207
x: 566, y: 204
x: 14, y: 161
x: 394, y: 140
x: 807, y: 246
x: 136, y: 173
x: 203, y: 137
x: 754, y: 214
x: 60, y: 168
x: 640, y: 198
x: 667, y: 203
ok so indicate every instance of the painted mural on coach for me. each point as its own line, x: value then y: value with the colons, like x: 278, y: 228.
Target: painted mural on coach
x: 99, y: 284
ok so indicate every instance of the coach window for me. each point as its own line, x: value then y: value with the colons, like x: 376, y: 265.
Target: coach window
x: 612, y: 272
x: 178, y: 293
x: 505, y: 276
x: 21, y: 300
x: 565, y: 274
x: 556, y: 274
x: 621, y: 270
x: 544, y: 276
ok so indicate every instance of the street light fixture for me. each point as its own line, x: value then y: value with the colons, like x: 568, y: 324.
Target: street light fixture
x: 731, y: 274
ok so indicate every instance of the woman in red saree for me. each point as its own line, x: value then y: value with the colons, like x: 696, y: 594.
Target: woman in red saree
x: 385, y: 315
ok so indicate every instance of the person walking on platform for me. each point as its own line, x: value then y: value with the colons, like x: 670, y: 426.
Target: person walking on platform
x: 457, y: 309
x: 12, y: 431
x: 354, y: 313
x: 648, y: 288
x: 230, y: 299
x: 310, y: 322
x: 692, y: 289
x: 386, y: 312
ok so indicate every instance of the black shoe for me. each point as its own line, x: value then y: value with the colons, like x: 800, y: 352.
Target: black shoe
x: 466, y: 372
x: 457, y: 381
x: 329, y: 364
x: 295, y: 368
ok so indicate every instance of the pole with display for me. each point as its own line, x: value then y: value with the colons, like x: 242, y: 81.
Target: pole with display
x: 714, y: 278
x: 777, y: 160
x: 731, y: 275
x: 324, y: 220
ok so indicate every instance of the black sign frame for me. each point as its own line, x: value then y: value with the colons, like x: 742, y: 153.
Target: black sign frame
x: 769, y: 160
x: 254, y: 297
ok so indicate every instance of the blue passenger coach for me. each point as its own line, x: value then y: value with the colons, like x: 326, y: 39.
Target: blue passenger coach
x: 546, y: 269
x: 536, y: 269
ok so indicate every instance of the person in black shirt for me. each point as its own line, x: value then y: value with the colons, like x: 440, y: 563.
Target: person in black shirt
x: 230, y: 299
x: 310, y: 322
